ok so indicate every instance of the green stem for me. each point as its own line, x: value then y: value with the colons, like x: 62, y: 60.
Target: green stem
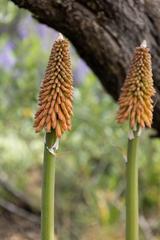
x: 132, y: 229
x: 47, y: 211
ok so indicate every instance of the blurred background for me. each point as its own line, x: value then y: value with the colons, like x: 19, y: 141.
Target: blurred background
x: 90, y: 174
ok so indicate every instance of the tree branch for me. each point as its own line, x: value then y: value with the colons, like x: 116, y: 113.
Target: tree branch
x: 105, y: 32
x: 21, y: 199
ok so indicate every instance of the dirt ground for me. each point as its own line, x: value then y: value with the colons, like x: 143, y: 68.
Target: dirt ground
x: 16, y: 228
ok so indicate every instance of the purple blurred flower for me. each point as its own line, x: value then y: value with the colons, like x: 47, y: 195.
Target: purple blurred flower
x: 24, y: 26
x: 42, y: 30
x: 47, y: 35
x: 80, y: 72
x: 27, y: 26
x: 7, y: 58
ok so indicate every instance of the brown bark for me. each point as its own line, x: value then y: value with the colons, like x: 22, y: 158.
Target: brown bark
x: 105, y: 32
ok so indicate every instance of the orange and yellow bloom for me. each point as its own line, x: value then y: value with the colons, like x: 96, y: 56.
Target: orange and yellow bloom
x: 135, y: 102
x: 56, y: 93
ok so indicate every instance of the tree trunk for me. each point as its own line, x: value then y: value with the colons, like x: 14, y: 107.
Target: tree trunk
x: 105, y: 33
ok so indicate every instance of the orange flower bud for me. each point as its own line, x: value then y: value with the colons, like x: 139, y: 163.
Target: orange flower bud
x: 56, y: 91
x: 135, y: 102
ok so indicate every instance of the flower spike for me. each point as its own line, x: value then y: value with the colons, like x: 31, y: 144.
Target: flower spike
x: 135, y: 102
x: 56, y: 93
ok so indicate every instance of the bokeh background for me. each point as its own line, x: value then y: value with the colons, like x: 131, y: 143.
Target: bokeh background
x: 90, y: 174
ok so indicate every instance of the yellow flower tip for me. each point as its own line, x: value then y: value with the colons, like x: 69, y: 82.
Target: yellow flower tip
x: 135, y: 102
x: 56, y: 91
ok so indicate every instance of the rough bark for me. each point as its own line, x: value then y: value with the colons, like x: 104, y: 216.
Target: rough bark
x: 105, y: 32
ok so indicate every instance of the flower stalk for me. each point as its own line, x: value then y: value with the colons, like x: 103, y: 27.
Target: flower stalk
x: 54, y: 116
x: 136, y: 105
x: 132, y: 189
x: 48, y: 190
